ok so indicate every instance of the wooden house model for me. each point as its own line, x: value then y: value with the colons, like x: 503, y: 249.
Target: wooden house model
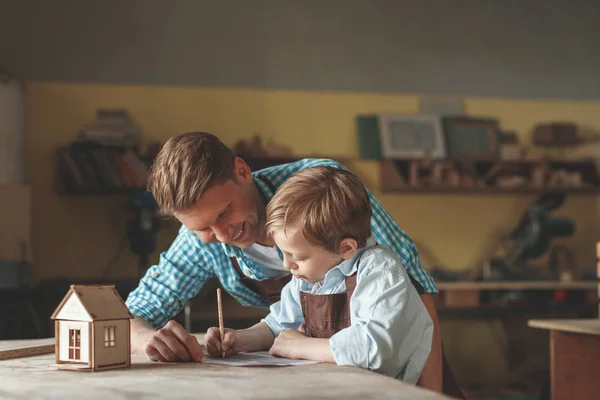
x: 92, y: 329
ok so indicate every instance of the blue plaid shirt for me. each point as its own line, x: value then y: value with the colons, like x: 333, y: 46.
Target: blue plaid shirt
x: 188, y: 263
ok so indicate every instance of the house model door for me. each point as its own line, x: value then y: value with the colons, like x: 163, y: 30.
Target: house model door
x: 75, y: 344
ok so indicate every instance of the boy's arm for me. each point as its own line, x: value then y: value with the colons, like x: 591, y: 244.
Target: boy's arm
x: 287, y: 312
x: 391, y: 330
x: 256, y: 338
x: 295, y: 344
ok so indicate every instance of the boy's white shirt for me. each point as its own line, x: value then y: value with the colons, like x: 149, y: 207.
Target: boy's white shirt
x: 391, y: 331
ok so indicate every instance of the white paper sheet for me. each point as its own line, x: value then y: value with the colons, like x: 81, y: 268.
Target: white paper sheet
x: 254, y: 359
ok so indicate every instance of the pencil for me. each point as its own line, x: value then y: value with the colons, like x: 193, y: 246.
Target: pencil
x: 221, y: 329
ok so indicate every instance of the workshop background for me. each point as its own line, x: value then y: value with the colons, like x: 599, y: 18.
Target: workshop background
x: 457, y: 114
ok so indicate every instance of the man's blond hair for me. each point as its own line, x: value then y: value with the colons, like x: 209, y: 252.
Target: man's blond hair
x: 325, y: 204
x: 187, y: 166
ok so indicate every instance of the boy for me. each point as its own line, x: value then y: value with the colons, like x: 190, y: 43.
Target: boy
x: 350, y: 302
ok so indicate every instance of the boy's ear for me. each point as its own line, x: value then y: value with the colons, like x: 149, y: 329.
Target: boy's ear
x: 348, y: 247
x: 242, y: 171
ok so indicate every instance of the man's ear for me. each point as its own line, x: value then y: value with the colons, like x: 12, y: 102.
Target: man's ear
x: 242, y: 171
x: 348, y: 247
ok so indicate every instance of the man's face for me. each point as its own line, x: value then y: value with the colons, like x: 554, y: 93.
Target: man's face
x: 227, y: 213
x: 304, y: 260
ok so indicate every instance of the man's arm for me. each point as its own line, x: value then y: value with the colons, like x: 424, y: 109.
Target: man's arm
x: 431, y: 377
x: 161, y: 294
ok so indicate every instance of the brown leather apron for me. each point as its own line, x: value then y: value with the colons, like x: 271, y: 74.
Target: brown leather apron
x: 268, y: 288
x: 326, y: 314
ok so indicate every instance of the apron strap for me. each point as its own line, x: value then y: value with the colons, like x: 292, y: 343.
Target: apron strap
x: 267, y: 288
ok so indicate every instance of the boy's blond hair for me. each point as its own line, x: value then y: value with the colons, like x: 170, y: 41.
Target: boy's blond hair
x: 325, y: 204
x: 187, y: 166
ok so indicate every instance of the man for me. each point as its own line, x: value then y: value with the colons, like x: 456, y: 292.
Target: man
x: 221, y: 205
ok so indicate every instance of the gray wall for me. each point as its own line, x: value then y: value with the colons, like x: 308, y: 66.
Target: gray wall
x: 514, y: 48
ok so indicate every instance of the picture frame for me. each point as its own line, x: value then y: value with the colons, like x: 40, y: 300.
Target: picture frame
x: 469, y: 137
x: 412, y: 137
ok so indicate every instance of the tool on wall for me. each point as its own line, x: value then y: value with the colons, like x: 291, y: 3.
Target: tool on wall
x: 142, y: 226
x: 530, y: 240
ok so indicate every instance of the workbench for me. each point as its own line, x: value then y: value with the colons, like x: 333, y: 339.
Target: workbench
x: 574, y: 357
x: 32, y: 377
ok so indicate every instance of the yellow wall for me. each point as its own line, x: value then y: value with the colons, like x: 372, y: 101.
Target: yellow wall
x: 76, y: 237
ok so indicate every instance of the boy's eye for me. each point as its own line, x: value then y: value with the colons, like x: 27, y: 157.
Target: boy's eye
x: 225, y: 211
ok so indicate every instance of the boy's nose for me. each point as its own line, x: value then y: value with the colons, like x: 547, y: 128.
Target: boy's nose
x: 289, y: 265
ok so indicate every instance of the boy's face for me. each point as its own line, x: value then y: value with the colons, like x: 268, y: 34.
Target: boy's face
x: 304, y: 260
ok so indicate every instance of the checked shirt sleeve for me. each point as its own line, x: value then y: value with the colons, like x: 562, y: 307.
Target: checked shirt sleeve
x: 180, y: 274
x: 388, y: 233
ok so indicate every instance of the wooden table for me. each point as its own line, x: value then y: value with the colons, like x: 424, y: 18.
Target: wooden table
x: 461, y: 294
x: 574, y: 357
x: 31, y: 377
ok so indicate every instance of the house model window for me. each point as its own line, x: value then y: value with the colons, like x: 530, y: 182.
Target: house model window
x: 109, y: 336
x: 74, y: 344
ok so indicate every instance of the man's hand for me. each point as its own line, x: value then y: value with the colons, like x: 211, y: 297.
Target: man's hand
x: 170, y: 343
x: 214, y: 345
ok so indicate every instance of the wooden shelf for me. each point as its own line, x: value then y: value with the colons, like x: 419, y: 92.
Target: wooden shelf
x: 518, y: 285
x: 90, y: 169
x: 489, y: 190
x: 100, y: 192
x: 403, y: 176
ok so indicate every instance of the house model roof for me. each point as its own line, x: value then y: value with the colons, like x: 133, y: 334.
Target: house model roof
x: 92, y: 303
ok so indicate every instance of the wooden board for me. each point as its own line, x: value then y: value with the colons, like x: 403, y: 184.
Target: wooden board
x: 31, y: 377
x: 15, y: 214
x: 25, y: 348
x: 586, y: 326
x: 518, y: 285
x: 575, y: 362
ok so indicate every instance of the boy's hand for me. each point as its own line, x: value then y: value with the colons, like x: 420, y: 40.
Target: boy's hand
x: 213, y: 343
x: 287, y: 343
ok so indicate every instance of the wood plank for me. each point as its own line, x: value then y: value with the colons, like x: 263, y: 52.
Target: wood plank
x: 575, y: 362
x: 586, y: 326
x: 25, y: 348
x: 31, y: 377
x: 518, y: 285
x: 485, y: 190
x: 15, y: 214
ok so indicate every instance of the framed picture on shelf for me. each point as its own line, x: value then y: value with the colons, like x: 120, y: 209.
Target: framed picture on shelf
x: 475, y: 138
x: 411, y: 137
